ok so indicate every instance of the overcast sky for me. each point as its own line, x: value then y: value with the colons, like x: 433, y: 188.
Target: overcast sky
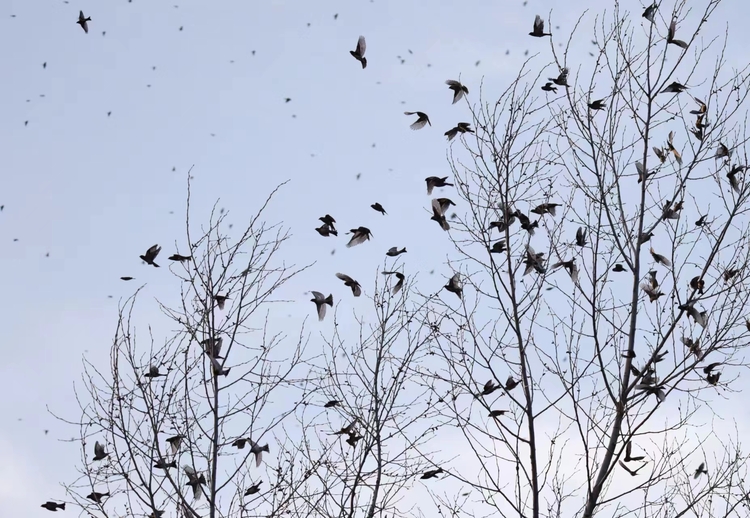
x: 86, y: 191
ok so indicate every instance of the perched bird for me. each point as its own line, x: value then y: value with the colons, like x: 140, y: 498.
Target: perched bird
x: 354, y: 285
x: 320, y: 303
x: 660, y: 258
x: 99, y: 452
x: 562, y: 79
x: 255, y: 488
x: 163, y: 464
x: 701, y: 221
x: 359, y: 236
x: 597, y: 105
x: 97, y: 497
x: 220, y: 300
x: 431, y: 473
x: 546, y: 208
x: 631, y: 471
x: 650, y: 12
x: 538, y: 31
x: 332, y: 403
x: 175, y: 442
x: 422, y: 120
x: 697, y: 283
x: 195, y: 481
x: 378, y: 207
x: 52, y: 506
x: 151, y: 254
x: 257, y: 450
x: 326, y: 230
x: 83, y: 22
x: 628, y: 453
x: 435, y: 181
x: 461, y: 127
x: 581, y: 237
x: 571, y: 267
x: 670, y: 35
x: 701, y: 470
x: 458, y: 90
x: 674, y: 88
x: 179, y: 258
x: 394, y: 251
x: 548, y: 87
x: 153, y: 372
x: 454, y: 285
x: 400, y: 276
x: 437, y: 215
x: 359, y: 52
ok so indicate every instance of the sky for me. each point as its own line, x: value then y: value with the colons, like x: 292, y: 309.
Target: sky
x: 97, y: 146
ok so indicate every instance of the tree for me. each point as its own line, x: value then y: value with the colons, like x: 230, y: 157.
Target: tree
x: 606, y: 251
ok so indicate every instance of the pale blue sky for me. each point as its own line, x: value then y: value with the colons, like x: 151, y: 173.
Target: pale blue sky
x: 95, y: 191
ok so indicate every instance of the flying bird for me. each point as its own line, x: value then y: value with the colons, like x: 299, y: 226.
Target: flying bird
x: 332, y: 403
x: 255, y: 488
x: 153, y: 372
x: 660, y: 258
x: 359, y: 236
x: 217, y: 368
x: 397, y: 287
x: 194, y: 481
x: 328, y: 220
x: 320, y: 303
x: 701, y: 470
x: 83, y: 22
x: 220, y: 300
x: 326, y: 230
x: 97, y: 497
x: 180, y: 258
x: 581, y: 237
x: 571, y: 267
x: 126, y: 278
x: 437, y: 215
x: 732, y: 177
x: 163, y: 464
x: 52, y: 506
x: 378, y: 207
x: 435, y: 181
x: 422, y: 120
x: 630, y: 471
x: 538, y: 31
x: 431, y: 473
x: 674, y: 88
x: 257, y: 450
x: 597, y: 105
x: 670, y: 35
x: 628, y: 453
x: 461, y: 127
x: 99, y: 452
x: 151, y: 254
x: 489, y: 388
x: 354, y: 285
x: 650, y: 12
x: 548, y: 87
x: 562, y: 79
x: 700, y: 317
x: 498, y: 247
x: 395, y: 252
x: 534, y: 261
x: 454, y: 285
x: 175, y: 443
x: 458, y: 90
x: 359, y: 52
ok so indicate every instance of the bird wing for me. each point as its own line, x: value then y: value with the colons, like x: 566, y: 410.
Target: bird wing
x: 361, y: 46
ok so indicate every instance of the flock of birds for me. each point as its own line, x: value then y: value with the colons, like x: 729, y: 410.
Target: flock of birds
x: 534, y: 262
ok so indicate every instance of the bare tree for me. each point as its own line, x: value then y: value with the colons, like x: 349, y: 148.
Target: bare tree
x: 192, y: 421
x: 605, y: 257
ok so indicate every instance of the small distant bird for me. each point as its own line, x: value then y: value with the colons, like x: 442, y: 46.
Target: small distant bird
x: 549, y: 88
x: 320, y: 303
x: 348, y: 281
x: 394, y: 251
x: 619, y: 268
x: 153, y: 372
x: 180, y: 258
x: 174, y: 443
x: 163, y: 464
x: 454, y: 285
x: 642, y: 173
x: 332, y: 403
x: 83, y: 22
x: 255, y: 488
x: 534, y: 261
x: 194, y: 481
x: 346, y: 429
x: 99, y: 452
x: 538, y: 31
x: 701, y: 470
x: 151, y: 254
x: 562, y: 79
x: 397, y: 287
x: 497, y: 413
x: 359, y: 236
x: 652, y: 291
x: 458, y: 90
x: 378, y: 207
x: 650, y: 12
x: 498, y: 247
x: 732, y: 177
x: 597, y: 105
x: 660, y: 258
x: 672, y: 149
x: 489, y: 388
x: 257, y: 450
x: 352, y: 439
x: 696, y: 283
x: 437, y: 215
x: 422, y: 120
x: 126, y: 278
x: 212, y: 347
x: 510, y: 384
x: 546, y: 208
x: 220, y: 300
x: 52, y: 506
x: 431, y: 473
x: 670, y: 35
x: 660, y: 154
x: 97, y: 497
x: 359, y: 52
x: 461, y: 127
x: 435, y: 181
x: 674, y: 88
x: 581, y: 236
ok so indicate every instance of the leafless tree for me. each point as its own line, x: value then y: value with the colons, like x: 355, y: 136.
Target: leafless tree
x: 604, y: 255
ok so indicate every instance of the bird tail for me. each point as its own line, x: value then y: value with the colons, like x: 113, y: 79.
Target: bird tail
x: 329, y: 300
x: 61, y: 506
x: 155, y: 264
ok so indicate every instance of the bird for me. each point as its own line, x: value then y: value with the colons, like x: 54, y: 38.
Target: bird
x: 435, y: 181
x: 653, y: 292
x: 257, y: 450
x: 732, y: 177
x: 179, y: 258
x: 332, y: 403
x: 672, y: 149
x: 437, y: 215
x: 489, y: 388
x: 660, y: 259
x: 352, y: 439
x: 674, y: 88
x: 700, y: 471
x: 255, y: 488
x: 175, y: 442
x: 212, y: 347
x: 163, y: 464
x: 326, y: 230
x: 431, y: 473
x: 328, y: 220
x: 548, y: 87
x: 359, y: 236
x: 696, y: 283
x: 701, y: 221
x: 700, y: 317
x: 422, y: 120
x: 538, y: 31
x: 194, y: 481
x: 354, y: 285
x: 320, y: 303
x: 670, y: 35
x: 562, y: 79
x: 642, y: 173
x: 723, y: 151
x: 454, y: 285
x: 497, y: 413
x: 526, y: 223
x: 632, y: 472
x: 710, y: 367
x: 671, y: 211
x: 99, y: 452
x: 151, y: 254
x: 581, y: 236
x: 53, y: 506
x: 628, y: 453
x: 650, y: 12
x: 126, y: 278
x: 220, y: 300
x: 571, y: 267
x: 510, y: 383
x: 217, y: 368
x: 347, y: 429
x: 534, y: 261
x: 97, y: 497
x: 546, y: 208
x: 395, y: 252
x: 83, y: 22
x: 461, y: 127
x: 458, y: 90
x: 400, y: 276
x: 597, y: 105
x: 153, y: 372
x: 498, y: 247
x: 378, y: 207
x: 619, y: 268
x: 359, y: 52
x: 660, y: 154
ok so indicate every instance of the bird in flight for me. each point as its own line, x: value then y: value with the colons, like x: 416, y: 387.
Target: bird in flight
x: 359, y: 52
x: 83, y: 22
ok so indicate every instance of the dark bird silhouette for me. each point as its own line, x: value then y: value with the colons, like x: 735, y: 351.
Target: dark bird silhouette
x: 422, y: 120
x: 497, y: 413
x: 240, y: 443
x: 571, y: 267
x: 397, y: 287
x: 498, y: 247
x: 650, y: 12
x: 255, y: 488
x: 548, y: 87
x: 378, y: 207
x: 359, y: 52
x: 597, y: 105
x: 619, y: 268
x: 320, y: 303
x: 257, y: 450
x: 83, y: 22
x: 212, y: 347
x: 195, y: 481
x: 52, y: 506
x: 326, y: 230
x: 394, y: 251
x: 332, y: 403
x: 711, y: 366
x: 99, y: 453
x: 347, y: 429
x: 700, y: 471
x: 454, y: 285
x: 220, y: 300
x: 697, y: 283
x: 538, y: 31
x: 581, y: 236
x: 435, y: 181
x: 153, y: 372
x: 431, y: 473
x: 526, y: 223
x: 510, y: 384
x: 628, y: 453
x: 674, y: 88
x: 670, y: 35
x: 461, y: 127
x: 180, y: 258
x: 632, y: 473
x: 562, y: 79
x: 359, y: 236
x: 713, y: 379
x: 546, y: 208
x: 437, y: 215
x: 489, y: 388
x: 328, y: 220
x: 701, y: 221
x: 354, y: 285
x: 352, y: 439
x: 175, y: 442
x: 458, y: 90
x: 151, y: 254
x: 126, y: 278
x: 534, y: 261
x: 163, y: 464
x: 732, y: 177
x: 97, y: 497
